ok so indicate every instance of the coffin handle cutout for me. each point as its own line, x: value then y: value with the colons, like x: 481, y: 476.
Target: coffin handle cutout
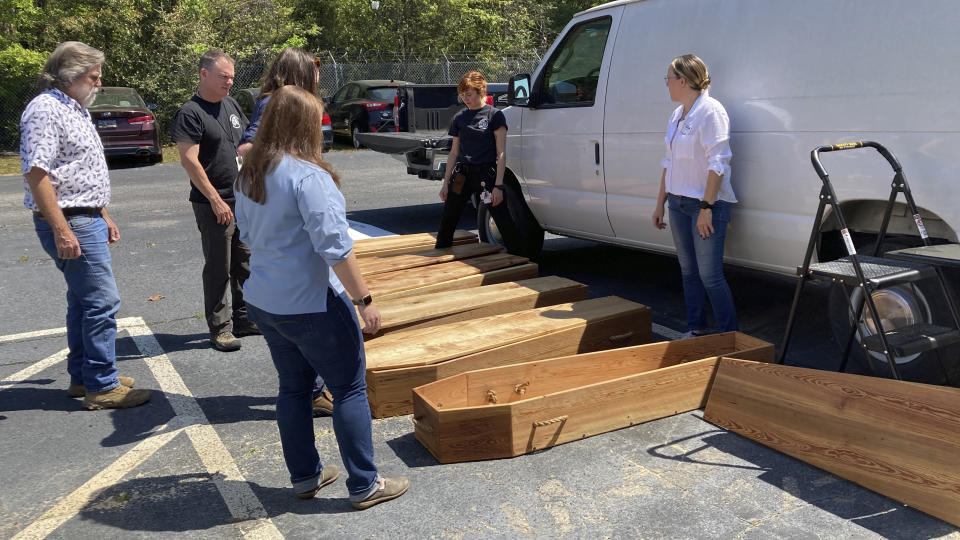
x: 621, y: 337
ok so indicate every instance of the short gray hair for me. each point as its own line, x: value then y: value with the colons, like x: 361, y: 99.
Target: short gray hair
x: 71, y: 59
x: 210, y: 58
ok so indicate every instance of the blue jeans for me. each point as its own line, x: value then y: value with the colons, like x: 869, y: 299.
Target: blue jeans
x: 701, y: 264
x: 92, y: 302
x: 329, y: 344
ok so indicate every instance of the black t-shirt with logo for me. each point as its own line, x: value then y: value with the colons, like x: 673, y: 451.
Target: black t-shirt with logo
x: 217, y: 128
x: 475, y: 129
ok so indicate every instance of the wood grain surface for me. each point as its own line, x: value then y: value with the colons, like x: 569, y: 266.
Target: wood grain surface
x: 897, y: 438
x: 416, y: 259
x: 422, y: 311
x: 410, y: 279
x: 558, y: 400
x: 405, y: 243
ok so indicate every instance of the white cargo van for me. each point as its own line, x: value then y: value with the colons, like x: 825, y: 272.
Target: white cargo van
x: 585, y: 135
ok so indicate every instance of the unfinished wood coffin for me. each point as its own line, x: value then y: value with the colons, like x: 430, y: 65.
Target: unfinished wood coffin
x: 405, y: 243
x: 444, y: 276
x: 414, y: 312
x: 897, y: 438
x: 512, y: 410
x: 396, y: 363
x: 416, y: 259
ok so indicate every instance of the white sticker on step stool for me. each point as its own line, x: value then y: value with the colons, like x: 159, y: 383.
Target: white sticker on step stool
x: 848, y: 241
x: 920, y: 227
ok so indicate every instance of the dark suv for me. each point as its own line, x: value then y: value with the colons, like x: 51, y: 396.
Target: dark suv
x: 127, y: 125
x: 363, y: 106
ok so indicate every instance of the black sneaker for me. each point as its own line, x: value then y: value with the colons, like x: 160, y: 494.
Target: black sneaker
x: 246, y: 329
x: 225, y: 342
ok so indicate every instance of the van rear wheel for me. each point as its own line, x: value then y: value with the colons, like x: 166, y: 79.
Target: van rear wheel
x: 899, y: 306
x: 529, y: 231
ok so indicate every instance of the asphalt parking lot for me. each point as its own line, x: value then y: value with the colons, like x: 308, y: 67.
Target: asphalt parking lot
x: 203, y: 458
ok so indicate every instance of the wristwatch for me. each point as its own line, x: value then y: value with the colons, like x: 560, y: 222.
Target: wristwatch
x: 498, y: 186
x: 365, y: 301
x: 704, y: 205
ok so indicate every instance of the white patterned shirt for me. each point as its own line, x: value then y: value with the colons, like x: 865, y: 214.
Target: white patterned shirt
x: 58, y: 136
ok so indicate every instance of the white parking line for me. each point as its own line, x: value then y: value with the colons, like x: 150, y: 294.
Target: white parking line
x: 360, y: 230
x: 240, y: 499
x: 236, y: 492
x: 57, y: 331
x: 24, y: 374
x: 73, y: 503
x: 668, y: 333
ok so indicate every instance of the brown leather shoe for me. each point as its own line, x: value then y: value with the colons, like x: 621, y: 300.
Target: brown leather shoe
x: 390, y: 488
x: 323, y: 404
x: 225, y: 342
x: 121, y: 397
x: 327, y: 475
x: 78, y: 390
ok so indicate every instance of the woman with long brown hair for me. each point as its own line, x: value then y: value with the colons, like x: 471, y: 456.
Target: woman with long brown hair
x: 291, y: 67
x: 293, y: 217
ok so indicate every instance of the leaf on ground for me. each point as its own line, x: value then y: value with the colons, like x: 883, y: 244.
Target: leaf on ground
x: 156, y: 297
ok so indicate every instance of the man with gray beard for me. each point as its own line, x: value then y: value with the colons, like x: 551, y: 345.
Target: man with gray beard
x: 67, y: 188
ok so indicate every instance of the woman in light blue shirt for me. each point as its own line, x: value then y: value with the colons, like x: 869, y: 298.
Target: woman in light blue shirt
x: 292, y: 66
x: 303, y: 274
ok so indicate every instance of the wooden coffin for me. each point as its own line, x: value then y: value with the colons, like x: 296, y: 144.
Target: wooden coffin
x: 405, y: 243
x: 897, y: 438
x: 447, y: 276
x: 512, y: 410
x: 416, y: 259
x: 396, y: 363
x: 413, y: 312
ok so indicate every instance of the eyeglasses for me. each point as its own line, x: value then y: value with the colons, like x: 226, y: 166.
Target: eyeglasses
x: 95, y: 78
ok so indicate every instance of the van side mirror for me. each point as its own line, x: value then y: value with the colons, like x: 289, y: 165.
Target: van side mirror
x: 518, y: 94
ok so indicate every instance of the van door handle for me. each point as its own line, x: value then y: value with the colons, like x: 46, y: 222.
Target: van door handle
x: 596, y: 152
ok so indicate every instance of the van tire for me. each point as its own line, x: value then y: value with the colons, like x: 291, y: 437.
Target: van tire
x: 530, y: 232
x: 925, y: 294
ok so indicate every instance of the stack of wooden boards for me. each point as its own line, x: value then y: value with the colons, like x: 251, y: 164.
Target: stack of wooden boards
x: 468, y: 307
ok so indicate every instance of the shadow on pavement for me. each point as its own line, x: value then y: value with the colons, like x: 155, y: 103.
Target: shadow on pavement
x: 875, y: 512
x: 192, y: 502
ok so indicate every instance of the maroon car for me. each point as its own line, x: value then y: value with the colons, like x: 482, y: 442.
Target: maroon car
x: 127, y: 126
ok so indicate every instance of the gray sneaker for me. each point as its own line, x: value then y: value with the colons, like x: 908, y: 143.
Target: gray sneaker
x: 390, y: 488
x: 225, y: 342
x: 327, y: 475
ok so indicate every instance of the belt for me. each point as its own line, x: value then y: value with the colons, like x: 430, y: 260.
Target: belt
x: 467, y: 168
x: 75, y: 211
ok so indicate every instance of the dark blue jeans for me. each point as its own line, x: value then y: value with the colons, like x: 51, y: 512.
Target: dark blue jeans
x: 329, y: 344
x: 92, y: 302
x: 701, y: 264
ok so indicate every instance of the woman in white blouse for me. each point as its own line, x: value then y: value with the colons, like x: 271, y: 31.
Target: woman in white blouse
x: 696, y: 182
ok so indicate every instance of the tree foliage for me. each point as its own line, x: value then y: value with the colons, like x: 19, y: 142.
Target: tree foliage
x: 153, y: 45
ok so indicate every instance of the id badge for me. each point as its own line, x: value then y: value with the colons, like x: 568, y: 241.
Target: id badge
x: 484, y: 194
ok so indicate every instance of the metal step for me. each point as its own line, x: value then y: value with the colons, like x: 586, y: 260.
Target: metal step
x: 877, y: 271
x: 914, y: 339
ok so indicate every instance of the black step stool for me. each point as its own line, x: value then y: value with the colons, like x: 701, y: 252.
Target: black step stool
x: 872, y: 272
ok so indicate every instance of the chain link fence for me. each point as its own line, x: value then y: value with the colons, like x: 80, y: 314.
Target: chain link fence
x: 337, y: 69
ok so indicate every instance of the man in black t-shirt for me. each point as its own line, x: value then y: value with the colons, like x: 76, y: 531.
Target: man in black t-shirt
x: 207, y: 131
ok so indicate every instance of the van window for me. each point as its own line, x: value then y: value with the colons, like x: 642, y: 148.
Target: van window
x: 570, y: 76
